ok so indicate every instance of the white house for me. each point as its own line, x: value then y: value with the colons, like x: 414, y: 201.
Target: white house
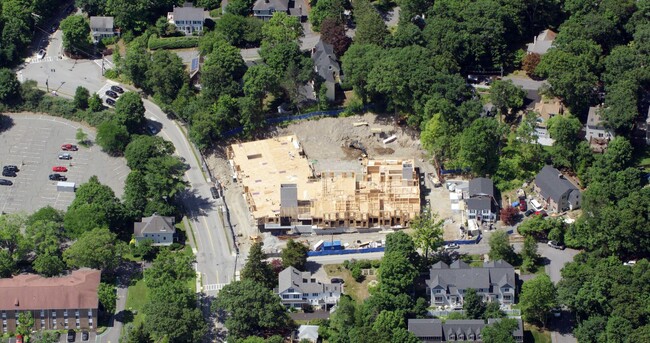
x: 160, y: 229
x: 101, y: 27
x: 448, y: 283
x: 481, y: 204
x: 298, y: 289
x: 597, y: 134
x: 187, y: 19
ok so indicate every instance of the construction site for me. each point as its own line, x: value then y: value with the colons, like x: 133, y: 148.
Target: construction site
x: 284, y: 191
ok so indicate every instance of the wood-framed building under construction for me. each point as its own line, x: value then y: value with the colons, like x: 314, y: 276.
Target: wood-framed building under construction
x: 282, y: 190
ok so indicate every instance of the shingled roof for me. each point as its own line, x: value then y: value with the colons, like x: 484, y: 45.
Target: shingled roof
x: 460, y: 275
x: 552, y: 183
x: 325, y: 61
x: 154, y: 224
x: 34, y: 292
x: 293, y: 278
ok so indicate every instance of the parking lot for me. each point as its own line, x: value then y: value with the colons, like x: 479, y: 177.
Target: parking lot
x: 33, y: 142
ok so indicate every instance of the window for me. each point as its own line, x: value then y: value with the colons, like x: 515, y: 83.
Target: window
x: 42, y: 323
x: 314, y: 294
x: 42, y: 313
x: 438, y: 299
x: 296, y: 296
x: 4, y: 314
x: 90, y: 313
x: 65, y: 313
x: 76, y: 314
x: 77, y: 323
x: 53, y: 314
x: 290, y: 290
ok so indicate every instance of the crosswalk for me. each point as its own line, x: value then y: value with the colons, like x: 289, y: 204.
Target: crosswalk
x: 44, y: 59
x: 214, y: 287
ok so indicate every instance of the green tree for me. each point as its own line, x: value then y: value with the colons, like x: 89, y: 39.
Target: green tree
x: 257, y: 270
x: 47, y: 214
x: 538, y: 296
x: 506, y: 96
x: 81, y: 96
x: 259, y: 80
x: 251, y: 310
x: 94, y: 249
x: 402, y: 244
x: 473, y: 304
x: 172, y: 314
x: 397, y: 273
x: 358, y: 62
x: 281, y: 28
x: 165, y: 76
x: 82, y: 137
x: 7, y: 264
x: 76, y: 34
x: 500, y: 248
x: 95, y: 103
x: 112, y: 137
x: 427, y: 231
x: 107, y: 297
x: 12, y: 239
x: 479, y: 146
x: 168, y: 268
x: 9, y: 86
x: 223, y: 67
x: 529, y: 253
x: 294, y: 255
x: 326, y: 9
x: 238, y: 30
x: 48, y: 264
x: 164, y: 178
x: 143, y: 148
x: 135, y: 334
x: 493, y: 310
x: 564, y: 130
x: 25, y: 324
x: 371, y: 28
x: 129, y: 111
x: 101, y: 199
x: 137, y: 61
x: 591, y: 329
x: 500, y: 331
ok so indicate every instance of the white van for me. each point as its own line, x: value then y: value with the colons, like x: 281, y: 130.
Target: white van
x: 536, y: 205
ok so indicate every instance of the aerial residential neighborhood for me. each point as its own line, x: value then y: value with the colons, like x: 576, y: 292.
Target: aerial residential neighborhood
x: 328, y: 171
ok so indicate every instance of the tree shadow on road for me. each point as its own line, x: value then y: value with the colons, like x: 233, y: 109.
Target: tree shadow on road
x: 124, y: 316
x: 6, y: 123
x: 200, y: 205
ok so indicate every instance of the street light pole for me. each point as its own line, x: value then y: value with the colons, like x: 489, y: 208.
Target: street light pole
x: 47, y: 85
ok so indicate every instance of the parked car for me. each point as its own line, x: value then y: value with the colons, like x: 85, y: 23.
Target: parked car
x: 69, y: 147
x: 84, y: 335
x: 536, y: 205
x: 19, y: 338
x: 60, y: 169
x: 630, y: 263
x: 110, y: 102
x: 336, y: 280
x: 529, y: 212
x: 112, y: 94
x: 8, y: 173
x: 71, y: 336
x: 5, y: 182
x: 541, y: 213
x: 555, y: 245
x: 523, y: 206
x: 41, y: 54
x: 117, y: 89
x: 53, y: 28
x: 152, y: 129
x: 452, y: 246
x: 557, y: 312
x: 58, y: 177
x: 215, y: 192
x: 11, y: 168
x: 65, y: 156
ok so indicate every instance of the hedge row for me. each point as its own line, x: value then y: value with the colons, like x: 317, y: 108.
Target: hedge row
x: 156, y: 43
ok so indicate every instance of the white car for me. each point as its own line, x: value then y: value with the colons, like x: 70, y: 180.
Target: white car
x: 41, y: 54
x: 630, y: 263
x: 452, y: 246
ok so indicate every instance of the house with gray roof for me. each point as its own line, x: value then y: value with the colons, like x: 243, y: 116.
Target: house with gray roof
x: 157, y: 228
x: 448, y: 283
x: 555, y: 191
x: 188, y: 19
x: 299, y: 289
x: 596, y: 132
x: 481, y: 204
x: 264, y: 9
x: 327, y: 66
x: 435, y: 330
x: 101, y: 27
x: 542, y: 42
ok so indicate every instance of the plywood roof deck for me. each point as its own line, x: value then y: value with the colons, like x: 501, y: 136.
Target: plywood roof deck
x: 262, y: 166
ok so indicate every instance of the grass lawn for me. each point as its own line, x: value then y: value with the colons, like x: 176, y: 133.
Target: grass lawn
x: 137, y: 297
x: 473, y: 260
x: 533, y: 334
x: 357, y: 291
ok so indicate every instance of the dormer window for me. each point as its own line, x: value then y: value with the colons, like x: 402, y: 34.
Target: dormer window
x: 290, y: 290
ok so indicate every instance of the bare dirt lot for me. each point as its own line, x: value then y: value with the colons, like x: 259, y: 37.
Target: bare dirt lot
x: 327, y: 143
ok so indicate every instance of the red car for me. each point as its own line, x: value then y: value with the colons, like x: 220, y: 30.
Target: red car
x: 69, y: 147
x: 541, y: 213
x: 59, y: 169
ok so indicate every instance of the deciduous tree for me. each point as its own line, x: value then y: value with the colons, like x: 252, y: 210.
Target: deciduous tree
x: 94, y: 249
x: 9, y: 87
x: 500, y: 248
x: 506, y: 96
x: 76, y: 35
x: 81, y: 96
x: 107, y: 297
x: 427, y: 231
x: 538, y: 296
x: 500, y: 331
x: 473, y: 304
x: 333, y: 32
x: 129, y: 111
x: 166, y: 76
x: 294, y: 255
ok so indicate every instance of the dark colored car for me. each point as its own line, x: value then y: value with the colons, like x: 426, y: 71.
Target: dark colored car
x: 11, y: 168
x: 112, y: 94
x: 117, y: 89
x: 555, y: 245
x: 58, y: 177
x: 215, y: 192
x: 529, y: 212
x: 53, y: 28
x: 336, y: 280
x: 8, y: 172
x: 84, y: 335
x: 5, y: 182
x: 71, y: 336
x: 110, y: 102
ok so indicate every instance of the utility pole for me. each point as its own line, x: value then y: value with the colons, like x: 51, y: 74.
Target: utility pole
x: 47, y: 85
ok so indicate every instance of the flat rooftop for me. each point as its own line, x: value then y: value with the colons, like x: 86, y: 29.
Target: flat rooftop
x: 262, y: 166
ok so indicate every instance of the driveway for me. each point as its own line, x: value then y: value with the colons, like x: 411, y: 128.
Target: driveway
x: 32, y: 142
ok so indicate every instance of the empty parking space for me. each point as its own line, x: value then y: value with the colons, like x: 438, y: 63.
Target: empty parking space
x: 33, y: 144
